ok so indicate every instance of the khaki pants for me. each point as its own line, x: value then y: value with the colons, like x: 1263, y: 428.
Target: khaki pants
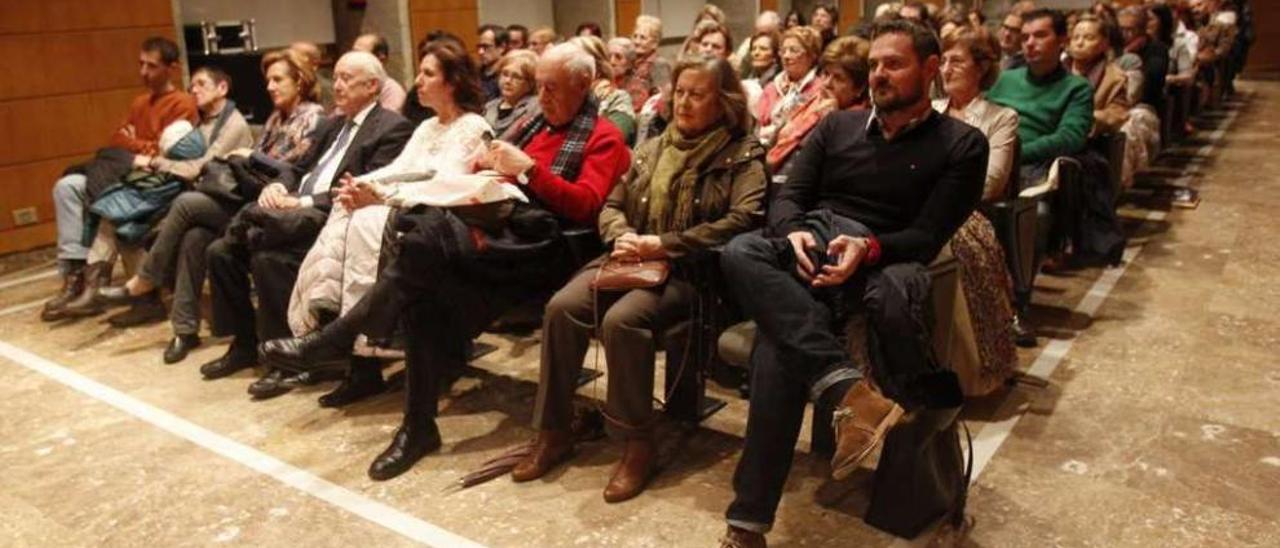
x: 628, y: 321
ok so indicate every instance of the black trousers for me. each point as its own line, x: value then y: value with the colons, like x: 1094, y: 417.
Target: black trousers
x: 443, y: 293
x: 800, y: 352
x: 177, y: 257
x: 233, y: 263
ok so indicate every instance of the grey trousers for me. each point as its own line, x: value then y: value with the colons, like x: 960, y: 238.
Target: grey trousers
x: 68, y: 205
x: 628, y: 321
x: 177, y: 258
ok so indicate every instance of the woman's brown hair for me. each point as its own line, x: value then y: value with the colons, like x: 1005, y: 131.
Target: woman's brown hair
x: 732, y: 98
x: 982, y: 46
x: 849, y: 53
x: 459, y: 71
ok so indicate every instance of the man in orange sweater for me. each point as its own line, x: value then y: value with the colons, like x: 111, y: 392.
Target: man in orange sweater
x: 149, y: 113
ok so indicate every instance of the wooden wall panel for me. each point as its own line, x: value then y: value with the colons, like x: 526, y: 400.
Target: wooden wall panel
x: 850, y: 14
x: 1264, y: 56
x: 107, y: 59
x: 68, y: 69
x: 44, y: 16
x: 460, y: 17
x: 30, y: 184
x: 49, y: 127
x: 27, y: 237
x: 625, y: 13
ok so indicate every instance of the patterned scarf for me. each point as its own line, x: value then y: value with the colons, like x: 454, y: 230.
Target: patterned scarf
x: 673, y: 185
x: 568, y: 162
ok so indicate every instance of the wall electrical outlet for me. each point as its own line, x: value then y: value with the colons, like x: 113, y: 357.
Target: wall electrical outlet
x: 25, y: 216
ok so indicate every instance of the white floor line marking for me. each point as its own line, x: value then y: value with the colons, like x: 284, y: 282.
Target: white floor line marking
x: 994, y: 434
x: 381, y: 514
x: 22, y: 307
x: 28, y: 279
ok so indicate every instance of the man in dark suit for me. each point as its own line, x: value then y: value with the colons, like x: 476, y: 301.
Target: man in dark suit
x: 268, y: 240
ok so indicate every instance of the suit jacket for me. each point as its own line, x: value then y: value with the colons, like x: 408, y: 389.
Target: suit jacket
x: 378, y: 141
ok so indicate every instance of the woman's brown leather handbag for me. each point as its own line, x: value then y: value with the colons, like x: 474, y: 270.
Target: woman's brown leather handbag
x: 618, y: 275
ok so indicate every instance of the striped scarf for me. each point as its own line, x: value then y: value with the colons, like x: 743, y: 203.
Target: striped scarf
x: 568, y: 162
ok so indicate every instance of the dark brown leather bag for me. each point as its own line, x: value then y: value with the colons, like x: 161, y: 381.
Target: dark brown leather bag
x: 615, y: 275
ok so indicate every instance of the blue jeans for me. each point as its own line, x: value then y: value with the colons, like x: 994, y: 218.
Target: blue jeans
x: 68, y: 205
x: 800, y: 354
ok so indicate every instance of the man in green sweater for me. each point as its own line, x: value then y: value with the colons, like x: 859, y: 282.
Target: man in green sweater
x: 1055, y: 113
x: 1055, y: 107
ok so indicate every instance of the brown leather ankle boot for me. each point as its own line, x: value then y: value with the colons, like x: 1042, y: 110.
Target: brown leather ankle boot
x: 86, y: 303
x: 550, y: 448
x: 632, y: 474
x: 72, y: 286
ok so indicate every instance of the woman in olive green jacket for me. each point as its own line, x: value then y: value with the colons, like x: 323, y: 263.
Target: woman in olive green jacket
x: 695, y: 186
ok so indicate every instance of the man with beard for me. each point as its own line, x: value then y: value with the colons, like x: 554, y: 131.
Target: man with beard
x: 872, y: 199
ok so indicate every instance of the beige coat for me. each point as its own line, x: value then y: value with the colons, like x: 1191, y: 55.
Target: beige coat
x: 1000, y: 125
x: 1110, y: 102
x: 343, y: 263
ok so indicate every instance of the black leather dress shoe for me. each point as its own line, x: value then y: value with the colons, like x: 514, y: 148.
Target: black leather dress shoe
x: 269, y: 386
x: 311, y: 378
x: 304, y: 353
x: 144, y: 310
x: 407, y: 447
x: 353, y: 390
x: 228, y: 364
x: 1024, y: 334
x: 179, y: 347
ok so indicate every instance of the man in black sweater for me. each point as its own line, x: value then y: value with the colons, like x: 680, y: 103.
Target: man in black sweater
x: 873, y: 197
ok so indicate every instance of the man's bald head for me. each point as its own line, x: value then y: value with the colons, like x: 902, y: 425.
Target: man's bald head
x: 357, y: 80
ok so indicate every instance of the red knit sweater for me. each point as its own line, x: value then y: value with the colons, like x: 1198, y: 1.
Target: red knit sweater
x: 605, y: 161
x: 150, y: 114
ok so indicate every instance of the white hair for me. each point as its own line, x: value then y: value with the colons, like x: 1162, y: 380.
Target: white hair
x: 366, y: 63
x: 574, y: 58
x: 628, y: 47
x: 650, y: 22
x: 769, y: 18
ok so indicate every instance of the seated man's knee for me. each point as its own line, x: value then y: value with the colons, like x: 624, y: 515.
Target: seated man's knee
x: 69, y: 186
x: 745, y: 250
x: 897, y: 293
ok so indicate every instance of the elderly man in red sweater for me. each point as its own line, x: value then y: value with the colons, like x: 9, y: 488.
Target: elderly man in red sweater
x: 458, y: 269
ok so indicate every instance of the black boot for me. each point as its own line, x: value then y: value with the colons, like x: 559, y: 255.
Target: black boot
x: 409, y: 445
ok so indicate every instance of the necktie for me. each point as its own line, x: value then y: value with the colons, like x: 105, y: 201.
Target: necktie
x: 309, y: 184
